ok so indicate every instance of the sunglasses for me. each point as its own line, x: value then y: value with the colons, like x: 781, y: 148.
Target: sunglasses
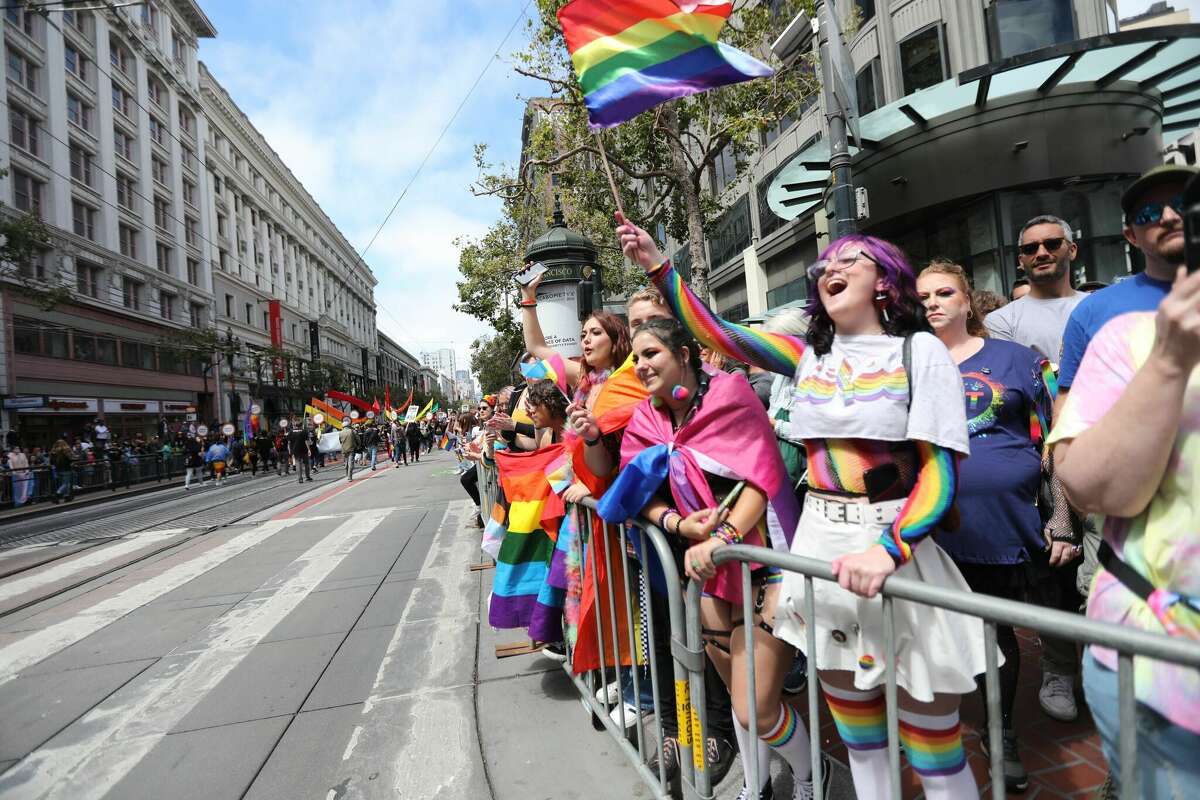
x: 1151, y: 213
x: 1051, y: 245
x: 840, y: 264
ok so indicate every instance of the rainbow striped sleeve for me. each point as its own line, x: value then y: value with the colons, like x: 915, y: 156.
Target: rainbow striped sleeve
x: 774, y: 352
x: 1041, y: 415
x: 937, y: 477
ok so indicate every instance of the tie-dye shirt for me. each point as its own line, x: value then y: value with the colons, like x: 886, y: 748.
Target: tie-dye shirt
x: 1163, y: 542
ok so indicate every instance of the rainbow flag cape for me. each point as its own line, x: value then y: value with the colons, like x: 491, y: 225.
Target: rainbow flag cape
x: 618, y: 397
x: 521, y: 595
x: 634, y: 54
x: 554, y: 369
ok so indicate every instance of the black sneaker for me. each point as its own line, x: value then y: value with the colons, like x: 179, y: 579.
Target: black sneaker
x: 555, y: 651
x: 767, y: 792
x: 670, y: 762
x: 720, y: 754
x: 803, y: 790
x: 1016, y: 779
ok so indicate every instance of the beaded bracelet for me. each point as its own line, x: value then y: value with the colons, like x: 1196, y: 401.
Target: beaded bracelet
x: 727, y: 533
x: 662, y: 518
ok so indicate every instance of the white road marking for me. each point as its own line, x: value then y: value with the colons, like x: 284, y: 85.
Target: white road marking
x: 91, y: 756
x: 42, y: 644
x: 440, y: 731
x: 68, y: 567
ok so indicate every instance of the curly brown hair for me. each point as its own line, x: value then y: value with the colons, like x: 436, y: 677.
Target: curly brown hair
x: 547, y: 395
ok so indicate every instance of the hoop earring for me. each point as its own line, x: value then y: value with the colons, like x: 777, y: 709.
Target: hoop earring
x: 881, y: 303
x: 970, y: 313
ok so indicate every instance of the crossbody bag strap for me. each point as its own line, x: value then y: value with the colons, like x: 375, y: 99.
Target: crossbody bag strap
x: 906, y: 360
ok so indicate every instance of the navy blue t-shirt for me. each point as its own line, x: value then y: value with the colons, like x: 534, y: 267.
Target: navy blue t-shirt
x: 998, y: 483
x: 1139, y: 293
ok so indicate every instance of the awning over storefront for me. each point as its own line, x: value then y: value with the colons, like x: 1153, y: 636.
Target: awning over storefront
x: 1154, y: 70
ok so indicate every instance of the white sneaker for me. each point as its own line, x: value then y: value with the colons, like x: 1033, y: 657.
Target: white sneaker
x: 1057, y: 696
x: 612, y: 690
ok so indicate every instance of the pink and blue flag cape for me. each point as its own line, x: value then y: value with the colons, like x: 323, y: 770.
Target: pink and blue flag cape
x: 730, y: 436
x: 631, y: 55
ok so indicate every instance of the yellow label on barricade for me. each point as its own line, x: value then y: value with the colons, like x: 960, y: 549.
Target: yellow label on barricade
x: 683, y: 712
x: 698, y: 738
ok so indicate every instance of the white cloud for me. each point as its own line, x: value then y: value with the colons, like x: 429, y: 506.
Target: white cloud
x: 353, y: 103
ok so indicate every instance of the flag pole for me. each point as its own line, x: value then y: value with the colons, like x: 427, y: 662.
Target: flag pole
x: 612, y: 184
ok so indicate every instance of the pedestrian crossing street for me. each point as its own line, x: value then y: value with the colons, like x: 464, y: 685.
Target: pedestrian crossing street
x: 311, y: 586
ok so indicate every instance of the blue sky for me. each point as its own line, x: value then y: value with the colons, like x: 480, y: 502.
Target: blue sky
x: 351, y: 96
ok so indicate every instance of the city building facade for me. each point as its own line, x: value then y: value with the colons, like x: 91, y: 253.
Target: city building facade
x: 397, y: 368
x: 441, y: 361
x: 105, y: 142
x: 286, y: 283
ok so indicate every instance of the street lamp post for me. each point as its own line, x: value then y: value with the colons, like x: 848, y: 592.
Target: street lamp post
x: 843, y: 220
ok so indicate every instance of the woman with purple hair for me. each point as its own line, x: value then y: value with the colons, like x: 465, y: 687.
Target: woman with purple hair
x: 878, y: 403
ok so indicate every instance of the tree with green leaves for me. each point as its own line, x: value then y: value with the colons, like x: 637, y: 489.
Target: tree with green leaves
x: 661, y: 159
x: 492, y: 358
x: 25, y: 239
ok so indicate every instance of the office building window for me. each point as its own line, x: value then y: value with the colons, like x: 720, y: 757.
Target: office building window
x: 81, y: 165
x: 122, y: 102
x: 84, y: 218
x: 189, y: 193
x: 80, y: 112
x: 162, y: 214
x: 120, y: 57
x: 158, y: 171
x: 923, y: 59
x: 193, y: 272
x: 191, y: 231
x: 127, y: 238
x: 23, y: 128
x: 196, y: 316
x: 20, y: 18
x: 249, y: 312
x: 158, y: 131
x: 22, y: 71
x: 126, y: 192
x: 869, y: 88
x: 158, y: 92
x: 80, y: 21
x: 866, y: 9
x: 131, y: 293
x: 229, y: 306
x: 187, y: 122
x: 162, y: 257
x: 27, y: 192
x: 75, y: 62
x: 123, y: 144
x: 87, y: 280
x: 166, y: 305
x: 1019, y: 26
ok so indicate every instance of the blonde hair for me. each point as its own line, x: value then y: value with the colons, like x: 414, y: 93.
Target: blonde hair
x: 943, y: 266
x: 647, y: 294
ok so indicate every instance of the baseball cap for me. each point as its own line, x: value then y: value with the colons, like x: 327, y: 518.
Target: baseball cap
x: 1156, y: 176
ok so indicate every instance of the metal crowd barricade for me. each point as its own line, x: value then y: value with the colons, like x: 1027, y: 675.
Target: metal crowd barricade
x: 991, y: 610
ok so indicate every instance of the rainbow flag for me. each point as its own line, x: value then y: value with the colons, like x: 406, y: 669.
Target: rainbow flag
x: 330, y: 412
x: 634, y: 54
x: 333, y: 421
x: 521, y: 595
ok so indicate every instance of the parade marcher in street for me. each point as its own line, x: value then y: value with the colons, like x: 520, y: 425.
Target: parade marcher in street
x: 217, y: 457
x: 283, y: 460
x: 193, y: 451
x: 1009, y: 397
x: 371, y: 442
x: 879, y: 407
x: 237, y: 451
x: 1127, y: 445
x: 349, y: 441
x: 412, y: 433
x: 316, y: 458
x: 262, y: 451
x: 298, y: 446
x: 1046, y: 251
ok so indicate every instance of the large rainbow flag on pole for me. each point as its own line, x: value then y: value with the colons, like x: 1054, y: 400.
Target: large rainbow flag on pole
x: 631, y: 55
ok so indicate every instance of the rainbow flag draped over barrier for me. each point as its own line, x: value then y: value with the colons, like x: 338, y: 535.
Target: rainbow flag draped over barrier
x: 632, y: 55
x: 521, y: 596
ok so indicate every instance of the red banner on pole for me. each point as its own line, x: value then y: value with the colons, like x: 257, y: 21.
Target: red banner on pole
x: 275, y: 320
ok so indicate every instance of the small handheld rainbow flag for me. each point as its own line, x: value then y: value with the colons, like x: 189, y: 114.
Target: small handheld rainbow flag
x: 552, y: 369
x: 632, y: 55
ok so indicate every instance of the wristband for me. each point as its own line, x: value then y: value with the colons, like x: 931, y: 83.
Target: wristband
x: 665, y: 263
x: 527, y: 303
x: 727, y: 533
x: 678, y: 523
x: 592, y: 442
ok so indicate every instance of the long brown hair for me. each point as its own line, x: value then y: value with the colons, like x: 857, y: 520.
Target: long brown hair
x: 942, y: 266
x: 618, y: 334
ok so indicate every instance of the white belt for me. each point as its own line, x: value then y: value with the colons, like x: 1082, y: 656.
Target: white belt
x: 857, y: 513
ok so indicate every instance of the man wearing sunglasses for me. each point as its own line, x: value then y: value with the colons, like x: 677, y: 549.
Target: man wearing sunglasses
x: 1045, y: 251
x: 1153, y: 224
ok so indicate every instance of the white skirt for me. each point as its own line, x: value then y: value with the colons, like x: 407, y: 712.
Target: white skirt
x: 937, y: 650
